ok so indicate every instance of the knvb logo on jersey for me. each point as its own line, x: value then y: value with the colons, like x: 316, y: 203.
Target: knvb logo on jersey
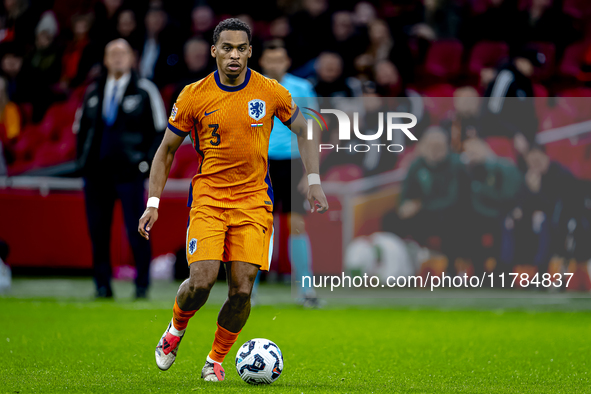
x: 192, y: 245
x: 395, y: 121
x: 256, y: 109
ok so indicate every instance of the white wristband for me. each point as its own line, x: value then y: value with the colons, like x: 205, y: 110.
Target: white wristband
x: 153, y: 202
x: 313, y: 179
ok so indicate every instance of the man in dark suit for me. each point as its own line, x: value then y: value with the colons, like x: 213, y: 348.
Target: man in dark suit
x: 120, y: 127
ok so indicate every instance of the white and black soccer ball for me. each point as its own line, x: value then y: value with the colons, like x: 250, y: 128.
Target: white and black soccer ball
x: 259, y: 361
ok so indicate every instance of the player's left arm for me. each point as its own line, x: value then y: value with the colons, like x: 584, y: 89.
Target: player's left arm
x: 309, y: 152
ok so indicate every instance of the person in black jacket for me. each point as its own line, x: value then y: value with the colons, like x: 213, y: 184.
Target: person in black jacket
x: 508, y: 109
x: 551, y: 208
x: 120, y: 127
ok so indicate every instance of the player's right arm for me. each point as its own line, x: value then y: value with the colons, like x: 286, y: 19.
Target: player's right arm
x: 179, y: 124
x: 158, y: 176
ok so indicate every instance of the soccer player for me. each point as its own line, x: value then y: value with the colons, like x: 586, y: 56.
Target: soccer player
x: 229, y: 116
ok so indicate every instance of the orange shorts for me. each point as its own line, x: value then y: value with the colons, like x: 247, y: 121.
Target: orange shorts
x: 230, y: 234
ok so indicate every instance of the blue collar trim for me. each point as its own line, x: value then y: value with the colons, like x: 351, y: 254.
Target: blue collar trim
x: 227, y: 88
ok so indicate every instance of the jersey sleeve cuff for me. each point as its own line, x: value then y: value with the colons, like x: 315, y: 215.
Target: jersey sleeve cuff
x: 178, y: 132
x: 293, y: 117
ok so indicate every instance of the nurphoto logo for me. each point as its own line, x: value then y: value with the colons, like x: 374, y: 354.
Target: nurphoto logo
x: 394, y: 121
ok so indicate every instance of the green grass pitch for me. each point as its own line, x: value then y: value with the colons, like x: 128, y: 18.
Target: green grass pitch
x: 51, y: 345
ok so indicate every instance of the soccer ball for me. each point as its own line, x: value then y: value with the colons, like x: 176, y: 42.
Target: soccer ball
x: 259, y: 361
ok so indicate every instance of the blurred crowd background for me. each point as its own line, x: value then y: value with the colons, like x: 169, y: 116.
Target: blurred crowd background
x: 452, y: 61
x: 50, y: 50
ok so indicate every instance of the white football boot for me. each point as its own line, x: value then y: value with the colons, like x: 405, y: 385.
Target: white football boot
x: 168, y: 347
x: 212, y: 371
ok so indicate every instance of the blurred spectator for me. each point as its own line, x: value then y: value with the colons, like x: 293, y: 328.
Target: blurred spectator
x: 545, y: 21
x: 390, y: 84
x: 203, y: 23
x: 12, y: 63
x: 382, y: 46
x: 197, y: 58
x: 160, y: 55
x: 81, y: 25
x: 387, y: 78
x: 122, y: 120
x: 346, y: 40
x: 42, y: 67
x: 463, y: 121
x: 487, y: 26
x: 255, y: 41
x: 431, y: 198
x: 127, y: 28
x: 155, y: 23
x: 330, y: 81
x: 10, y: 126
x: 279, y: 28
x: 17, y: 23
x: 442, y: 19
x: 364, y: 13
x: 307, y: 27
x: 509, y: 110
x: 106, y: 17
x: 494, y: 184
x: 551, y: 199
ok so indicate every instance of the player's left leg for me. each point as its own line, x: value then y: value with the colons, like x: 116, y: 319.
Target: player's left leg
x: 247, y: 250
x: 232, y: 317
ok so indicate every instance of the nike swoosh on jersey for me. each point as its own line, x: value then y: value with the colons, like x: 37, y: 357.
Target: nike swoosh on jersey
x: 207, y: 114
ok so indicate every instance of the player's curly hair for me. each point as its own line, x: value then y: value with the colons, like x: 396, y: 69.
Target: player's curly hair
x: 233, y: 24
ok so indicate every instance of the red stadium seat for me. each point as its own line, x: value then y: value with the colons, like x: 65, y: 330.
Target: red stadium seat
x: 48, y: 126
x: 487, y: 54
x: 444, y: 58
x: 29, y: 139
x: 67, y: 144
x: 479, y: 6
x: 20, y: 166
x: 575, y: 92
x: 26, y: 110
x: 570, y: 65
x: 503, y: 147
x: 577, y: 8
x: 576, y: 102
x: 540, y: 90
x: 549, y: 51
x: 524, y: 4
x: 77, y: 94
x: 574, y: 155
x: 439, y: 101
x: 48, y: 155
x: 440, y: 90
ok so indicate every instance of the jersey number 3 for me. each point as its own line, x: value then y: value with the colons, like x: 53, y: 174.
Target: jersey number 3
x: 214, y: 133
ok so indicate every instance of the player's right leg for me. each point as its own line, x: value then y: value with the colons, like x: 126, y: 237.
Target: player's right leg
x: 205, y: 249
x: 192, y: 294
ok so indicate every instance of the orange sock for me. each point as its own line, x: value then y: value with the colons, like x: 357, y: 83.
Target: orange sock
x: 222, y: 343
x: 180, y: 318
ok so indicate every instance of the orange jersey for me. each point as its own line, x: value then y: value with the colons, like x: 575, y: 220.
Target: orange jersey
x: 230, y: 128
